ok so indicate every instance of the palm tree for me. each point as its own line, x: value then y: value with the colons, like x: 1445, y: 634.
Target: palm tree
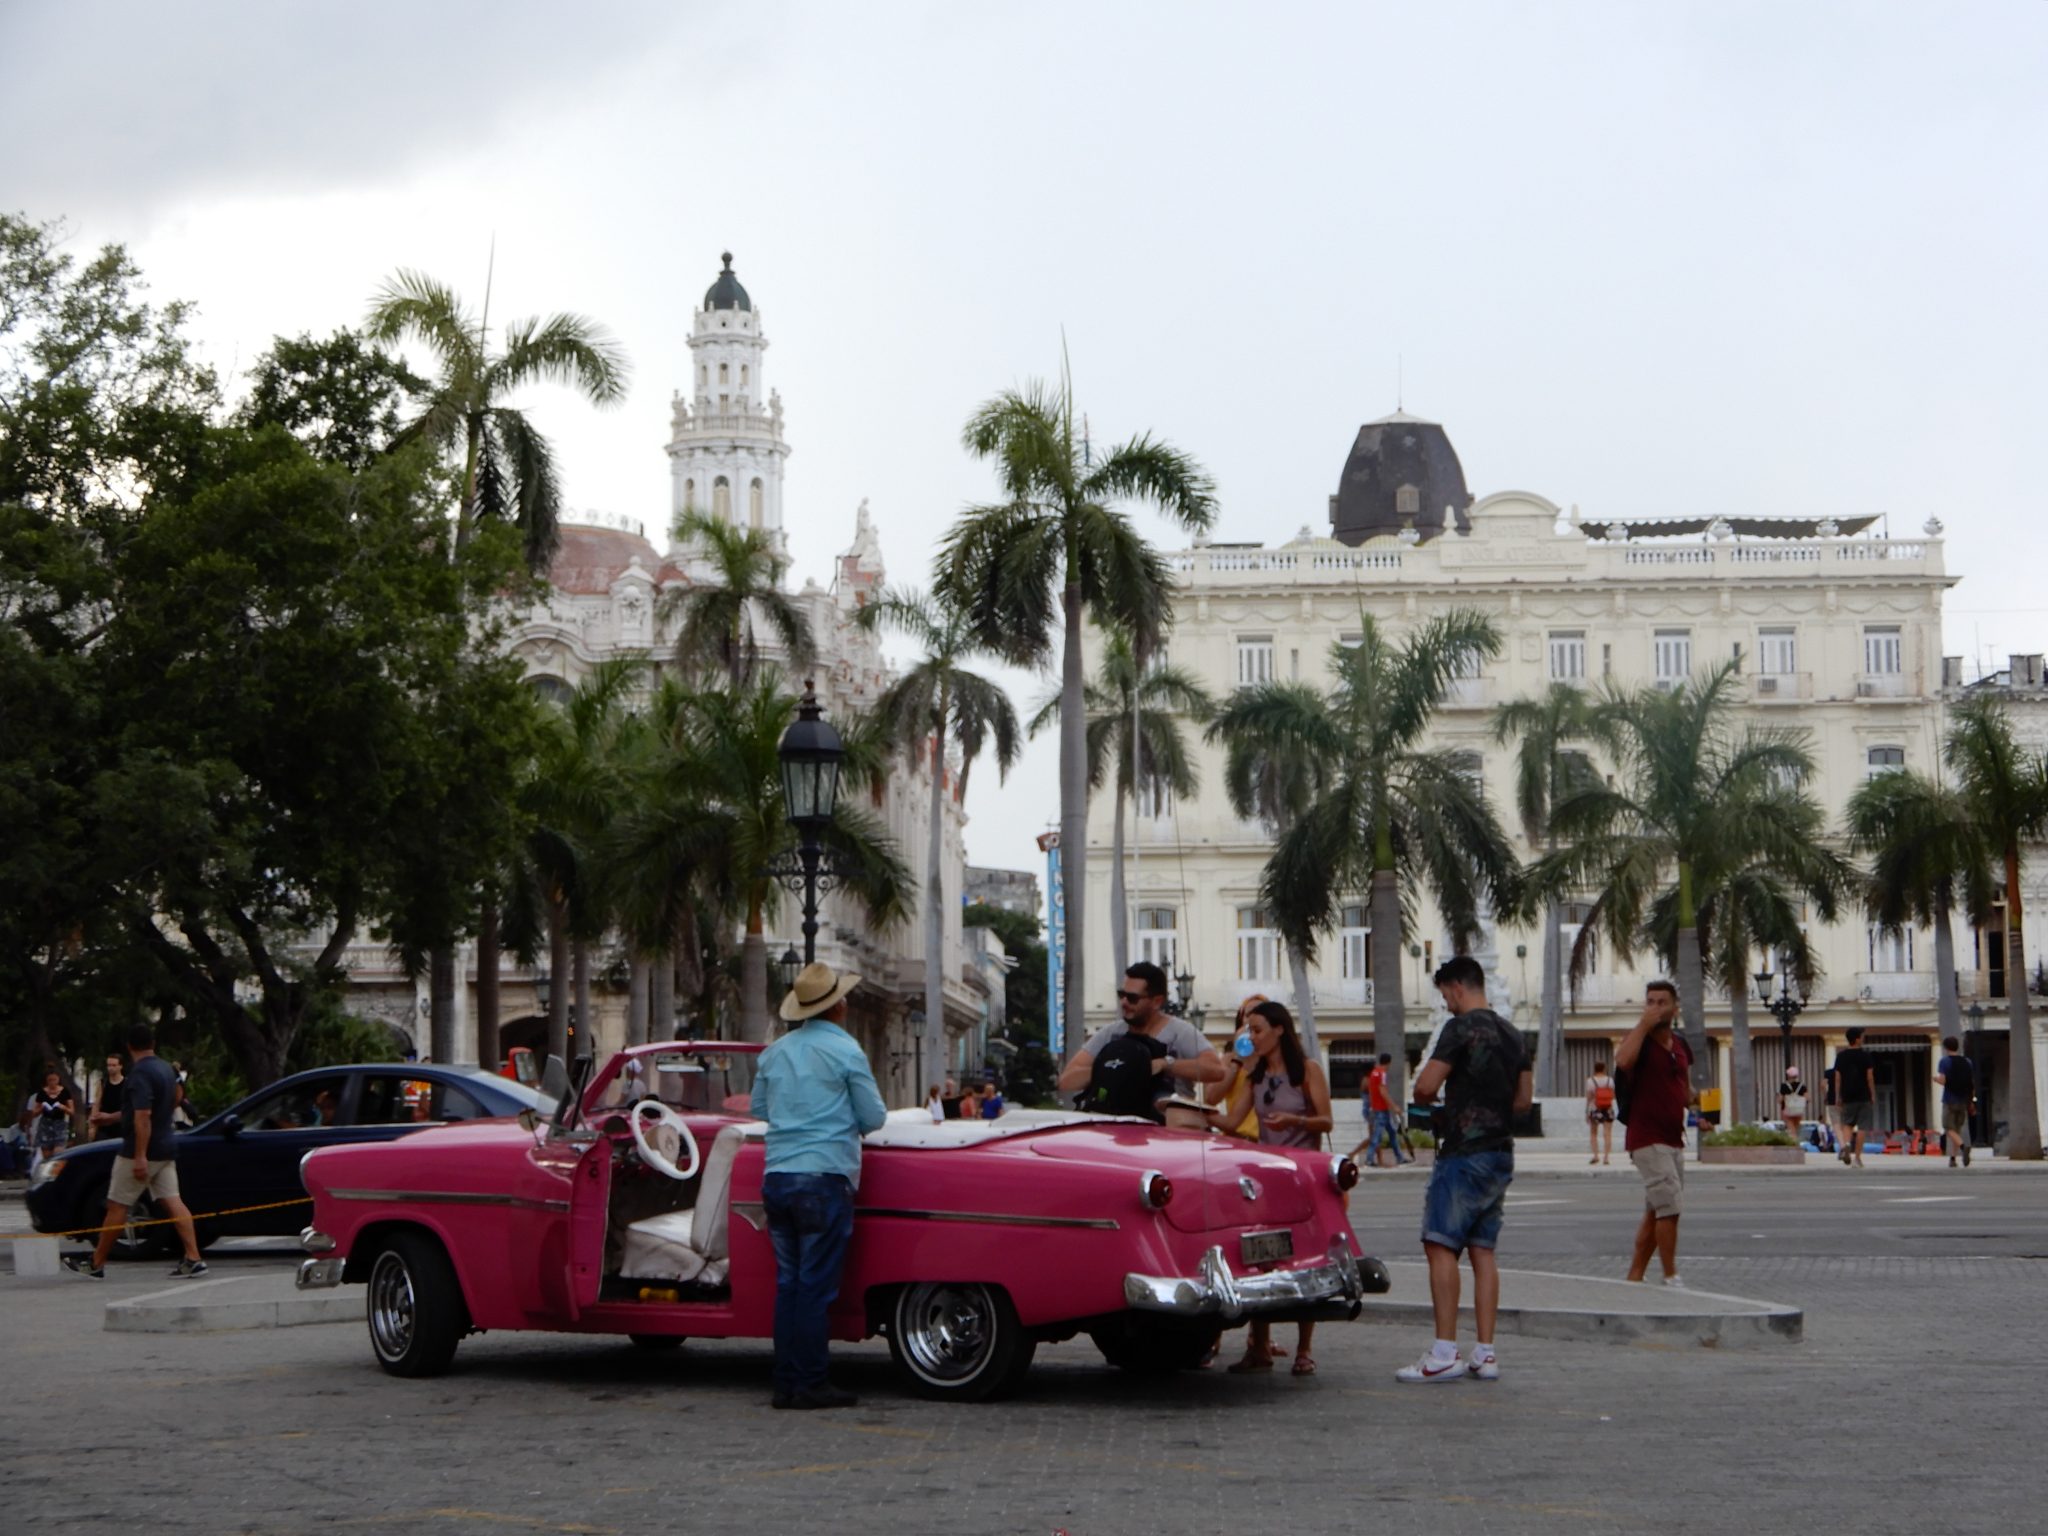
x: 1548, y: 767
x: 938, y: 701
x: 1115, y: 700
x: 1928, y: 856
x: 508, y: 469
x: 1056, y: 551
x: 732, y: 736
x: 1393, y: 817
x: 1274, y: 784
x: 2005, y: 788
x: 715, y: 628
x: 1689, y: 797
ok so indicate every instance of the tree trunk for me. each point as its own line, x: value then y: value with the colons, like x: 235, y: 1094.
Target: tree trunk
x: 1074, y: 810
x: 1304, y: 1003
x: 441, y: 1004
x: 934, y: 1061
x: 2023, y: 1109
x: 558, y: 993
x: 1550, y: 1073
x: 661, y: 999
x: 586, y: 1026
x: 637, y: 973
x: 1738, y: 1105
x: 1389, y: 1006
x: 754, y: 979
x: 1947, y: 1006
x: 1119, y: 898
x: 487, y: 1008
x: 1692, y: 1000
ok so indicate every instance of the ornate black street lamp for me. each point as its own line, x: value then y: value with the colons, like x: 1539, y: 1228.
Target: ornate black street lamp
x: 811, y: 754
x: 1784, y: 1006
x: 786, y: 968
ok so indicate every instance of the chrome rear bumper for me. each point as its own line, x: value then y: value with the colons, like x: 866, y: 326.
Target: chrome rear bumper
x: 1334, y: 1288
x: 318, y: 1274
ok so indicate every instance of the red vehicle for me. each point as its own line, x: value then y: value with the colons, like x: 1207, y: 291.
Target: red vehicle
x: 637, y: 1211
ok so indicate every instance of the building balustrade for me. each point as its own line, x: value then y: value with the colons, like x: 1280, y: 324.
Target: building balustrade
x: 1895, y: 986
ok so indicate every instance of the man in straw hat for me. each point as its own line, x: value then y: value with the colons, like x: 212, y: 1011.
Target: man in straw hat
x: 815, y: 1090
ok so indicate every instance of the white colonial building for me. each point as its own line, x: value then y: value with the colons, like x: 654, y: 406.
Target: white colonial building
x: 726, y: 453
x: 1837, y: 632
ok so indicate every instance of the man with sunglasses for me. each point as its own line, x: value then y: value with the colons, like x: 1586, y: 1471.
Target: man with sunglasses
x: 1142, y: 1002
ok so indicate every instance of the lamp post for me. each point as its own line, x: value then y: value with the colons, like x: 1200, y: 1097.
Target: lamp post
x: 811, y: 754
x: 1975, y: 1014
x: 1784, y: 1007
x: 786, y: 968
x: 1184, y: 1003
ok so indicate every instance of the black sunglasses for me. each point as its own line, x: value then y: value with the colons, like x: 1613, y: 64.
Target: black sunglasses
x: 1272, y: 1087
x: 1133, y: 997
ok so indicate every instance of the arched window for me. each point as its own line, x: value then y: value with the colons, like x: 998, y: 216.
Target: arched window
x: 550, y: 689
x: 721, y: 498
x: 689, y: 495
x: 1882, y: 760
x: 722, y: 375
x: 755, y: 504
x: 703, y: 376
x: 743, y: 375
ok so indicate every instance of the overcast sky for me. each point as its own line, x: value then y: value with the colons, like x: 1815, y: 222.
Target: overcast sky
x: 1654, y: 260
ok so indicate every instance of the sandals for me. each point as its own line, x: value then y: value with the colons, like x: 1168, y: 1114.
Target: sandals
x: 1251, y: 1363
x: 1304, y: 1365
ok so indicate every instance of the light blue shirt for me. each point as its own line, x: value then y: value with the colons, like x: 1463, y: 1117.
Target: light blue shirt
x: 816, y: 1092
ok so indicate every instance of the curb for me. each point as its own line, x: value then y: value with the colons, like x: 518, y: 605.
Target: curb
x: 178, y: 1310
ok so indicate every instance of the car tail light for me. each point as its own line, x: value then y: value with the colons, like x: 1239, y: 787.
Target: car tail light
x: 1343, y: 1172
x: 1155, y: 1188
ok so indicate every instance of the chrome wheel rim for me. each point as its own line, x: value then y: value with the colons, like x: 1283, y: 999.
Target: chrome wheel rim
x: 391, y: 1307
x: 946, y: 1331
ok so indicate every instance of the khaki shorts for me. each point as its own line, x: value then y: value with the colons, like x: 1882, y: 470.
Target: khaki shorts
x: 1955, y: 1119
x: 125, y: 1189
x: 1663, y: 1171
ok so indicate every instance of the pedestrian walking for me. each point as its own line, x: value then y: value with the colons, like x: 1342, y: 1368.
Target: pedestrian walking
x: 1290, y: 1097
x: 1600, y: 1112
x: 1479, y: 1066
x: 105, y: 1119
x: 816, y: 1091
x: 1957, y: 1075
x: 1382, y: 1118
x: 1658, y: 1063
x: 46, y: 1119
x: 1855, y: 1081
x: 148, y: 1160
x: 1792, y: 1101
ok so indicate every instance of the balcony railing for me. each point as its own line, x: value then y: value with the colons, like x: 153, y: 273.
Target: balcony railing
x: 1781, y: 687
x: 1895, y: 986
x: 1881, y: 685
x: 1355, y: 989
x: 1465, y: 693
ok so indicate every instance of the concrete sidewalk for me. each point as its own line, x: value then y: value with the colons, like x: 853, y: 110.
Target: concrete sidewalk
x: 1553, y: 1156
x: 233, y: 1303
x: 1535, y: 1304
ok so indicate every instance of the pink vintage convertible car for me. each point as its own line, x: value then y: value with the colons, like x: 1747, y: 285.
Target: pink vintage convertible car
x: 637, y: 1211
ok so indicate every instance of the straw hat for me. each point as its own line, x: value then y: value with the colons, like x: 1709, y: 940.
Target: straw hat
x: 817, y: 988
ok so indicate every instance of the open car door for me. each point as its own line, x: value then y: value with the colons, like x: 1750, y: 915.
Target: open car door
x: 589, y: 1201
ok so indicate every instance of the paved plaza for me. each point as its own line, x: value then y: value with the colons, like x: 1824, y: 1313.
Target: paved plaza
x: 1913, y: 1402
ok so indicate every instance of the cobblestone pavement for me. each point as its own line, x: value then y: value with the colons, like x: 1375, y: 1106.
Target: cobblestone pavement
x: 1912, y: 1404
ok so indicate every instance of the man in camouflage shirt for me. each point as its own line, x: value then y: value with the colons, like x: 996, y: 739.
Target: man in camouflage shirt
x: 1483, y: 1072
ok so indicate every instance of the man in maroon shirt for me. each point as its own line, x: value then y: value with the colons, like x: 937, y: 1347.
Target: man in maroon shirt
x: 1659, y: 1067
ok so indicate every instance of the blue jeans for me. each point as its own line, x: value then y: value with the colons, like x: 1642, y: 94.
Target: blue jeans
x: 810, y: 1222
x: 1467, y: 1194
x: 1383, y: 1123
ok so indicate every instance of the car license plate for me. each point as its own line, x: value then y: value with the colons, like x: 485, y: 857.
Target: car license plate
x: 1265, y: 1247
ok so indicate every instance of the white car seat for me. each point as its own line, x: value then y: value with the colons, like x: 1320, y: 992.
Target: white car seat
x: 689, y: 1246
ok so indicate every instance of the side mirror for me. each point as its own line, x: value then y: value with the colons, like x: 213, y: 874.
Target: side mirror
x: 231, y: 1125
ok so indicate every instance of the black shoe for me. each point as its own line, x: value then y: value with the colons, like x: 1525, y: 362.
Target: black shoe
x: 781, y: 1400
x: 187, y: 1268
x: 1966, y: 1154
x: 826, y: 1396
x: 82, y: 1264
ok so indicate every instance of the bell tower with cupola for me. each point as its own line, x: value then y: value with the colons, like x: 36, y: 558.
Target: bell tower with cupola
x: 726, y: 447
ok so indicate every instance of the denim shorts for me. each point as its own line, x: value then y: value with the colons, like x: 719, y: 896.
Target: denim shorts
x: 1462, y: 1208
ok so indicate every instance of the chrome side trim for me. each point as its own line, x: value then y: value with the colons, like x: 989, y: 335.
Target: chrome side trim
x: 446, y: 1197
x: 991, y: 1218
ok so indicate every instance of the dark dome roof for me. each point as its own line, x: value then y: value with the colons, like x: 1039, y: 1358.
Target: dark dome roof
x: 1402, y: 469
x: 727, y: 293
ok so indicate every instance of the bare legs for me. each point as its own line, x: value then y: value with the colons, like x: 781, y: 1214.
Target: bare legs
x: 117, y: 1216
x: 1659, y: 1235
x: 1443, y: 1290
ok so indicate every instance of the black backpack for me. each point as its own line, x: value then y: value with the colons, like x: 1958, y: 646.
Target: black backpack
x: 1123, y: 1082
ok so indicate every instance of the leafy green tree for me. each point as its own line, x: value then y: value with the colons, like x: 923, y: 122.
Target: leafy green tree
x: 1393, y: 817
x: 1116, y: 702
x: 1055, y: 551
x: 1548, y: 766
x: 939, y: 702
x: 715, y: 619
x: 1030, y: 1073
x: 1690, y: 795
x: 2005, y: 788
x: 1928, y: 859
x: 343, y: 398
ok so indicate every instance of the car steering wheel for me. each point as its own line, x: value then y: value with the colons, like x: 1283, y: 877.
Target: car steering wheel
x: 648, y: 1118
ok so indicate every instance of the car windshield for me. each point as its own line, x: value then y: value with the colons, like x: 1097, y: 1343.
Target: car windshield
x: 512, y: 1088
x: 694, y: 1082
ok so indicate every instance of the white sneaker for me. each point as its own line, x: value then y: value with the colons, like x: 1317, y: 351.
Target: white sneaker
x: 1673, y: 1283
x: 1485, y: 1368
x: 1429, y: 1368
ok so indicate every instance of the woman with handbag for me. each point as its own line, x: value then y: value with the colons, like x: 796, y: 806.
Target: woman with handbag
x: 1792, y: 1102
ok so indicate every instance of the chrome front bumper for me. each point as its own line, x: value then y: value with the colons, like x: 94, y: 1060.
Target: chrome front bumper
x: 1334, y: 1288
x: 318, y: 1274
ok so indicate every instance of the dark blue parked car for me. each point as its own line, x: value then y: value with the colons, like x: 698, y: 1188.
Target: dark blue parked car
x: 249, y: 1155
